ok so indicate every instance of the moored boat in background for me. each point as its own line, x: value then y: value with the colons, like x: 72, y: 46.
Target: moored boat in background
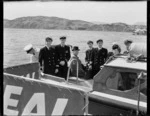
x: 140, y: 32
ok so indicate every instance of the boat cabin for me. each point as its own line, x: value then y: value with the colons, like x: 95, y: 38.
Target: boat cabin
x: 118, y: 83
x: 121, y: 75
x: 115, y: 89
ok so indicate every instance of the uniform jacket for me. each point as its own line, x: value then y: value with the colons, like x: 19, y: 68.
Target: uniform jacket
x: 47, y: 59
x: 63, y: 54
x: 89, y: 55
x: 100, y: 57
x: 73, y: 66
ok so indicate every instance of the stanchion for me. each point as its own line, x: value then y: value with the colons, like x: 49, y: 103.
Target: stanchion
x: 139, y: 87
x: 86, y: 104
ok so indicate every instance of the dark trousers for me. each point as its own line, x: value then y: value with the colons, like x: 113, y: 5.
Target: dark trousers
x: 89, y: 74
x: 63, y: 72
x: 49, y: 70
x: 95, y: 70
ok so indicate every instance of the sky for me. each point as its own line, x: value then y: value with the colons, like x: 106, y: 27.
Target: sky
x: 108, y: 12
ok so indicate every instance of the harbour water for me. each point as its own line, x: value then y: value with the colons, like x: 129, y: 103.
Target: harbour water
x: 16, y: 39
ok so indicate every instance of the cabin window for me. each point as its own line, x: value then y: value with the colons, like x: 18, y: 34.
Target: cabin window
x: 127, y: 80
x: 123, y: 81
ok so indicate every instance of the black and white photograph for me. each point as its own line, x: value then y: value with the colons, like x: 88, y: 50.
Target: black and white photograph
x: 74, y: 58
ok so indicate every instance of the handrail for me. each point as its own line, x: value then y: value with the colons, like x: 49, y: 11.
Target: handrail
x: 139, y: 86
x: 68, y: 73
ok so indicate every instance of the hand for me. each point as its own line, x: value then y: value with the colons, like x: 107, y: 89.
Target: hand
x: 41, y: 73
x: 90, y: 67
x: 56, y: 70
x: 101, y: 66
x: 90, y: 62
x: 62, y: 63
x: 125, y: 52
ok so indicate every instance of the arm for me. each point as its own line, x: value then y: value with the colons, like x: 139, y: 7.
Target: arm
x: 56, y: 57
x: 69, y: 54
x: 69, y: 62
x: 40, y: 57
x: 86, y: 55
x: 57, y: 61
x: 109, y: 55
x: 92, y: 59
x: 31, y: 59
x: 106, y: 54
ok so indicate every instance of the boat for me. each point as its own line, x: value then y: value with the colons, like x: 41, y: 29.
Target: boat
x: 140, y: 32
x: 28, y: 92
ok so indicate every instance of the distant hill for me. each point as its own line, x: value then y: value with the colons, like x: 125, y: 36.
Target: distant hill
x: 6, y: 21
x: 98, y: 23
x: 140, y: 23
x: 43, y: 22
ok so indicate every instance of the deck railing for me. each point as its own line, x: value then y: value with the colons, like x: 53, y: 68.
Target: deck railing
x: 68, y: 73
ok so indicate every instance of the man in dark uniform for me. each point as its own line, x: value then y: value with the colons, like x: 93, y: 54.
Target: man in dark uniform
x: 47, y: 58
x: 63, y: 56
x: 89, y: 57
x: 100, y: 55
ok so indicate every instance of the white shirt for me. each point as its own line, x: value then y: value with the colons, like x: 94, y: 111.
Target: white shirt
x: 138, y: 48
x: 35, y: 57
x: 99, y: 48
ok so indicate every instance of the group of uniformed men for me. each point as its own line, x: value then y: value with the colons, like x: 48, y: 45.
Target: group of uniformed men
x: 54, y: 60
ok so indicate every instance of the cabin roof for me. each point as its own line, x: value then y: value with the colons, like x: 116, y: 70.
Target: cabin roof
x: 122, y: 63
